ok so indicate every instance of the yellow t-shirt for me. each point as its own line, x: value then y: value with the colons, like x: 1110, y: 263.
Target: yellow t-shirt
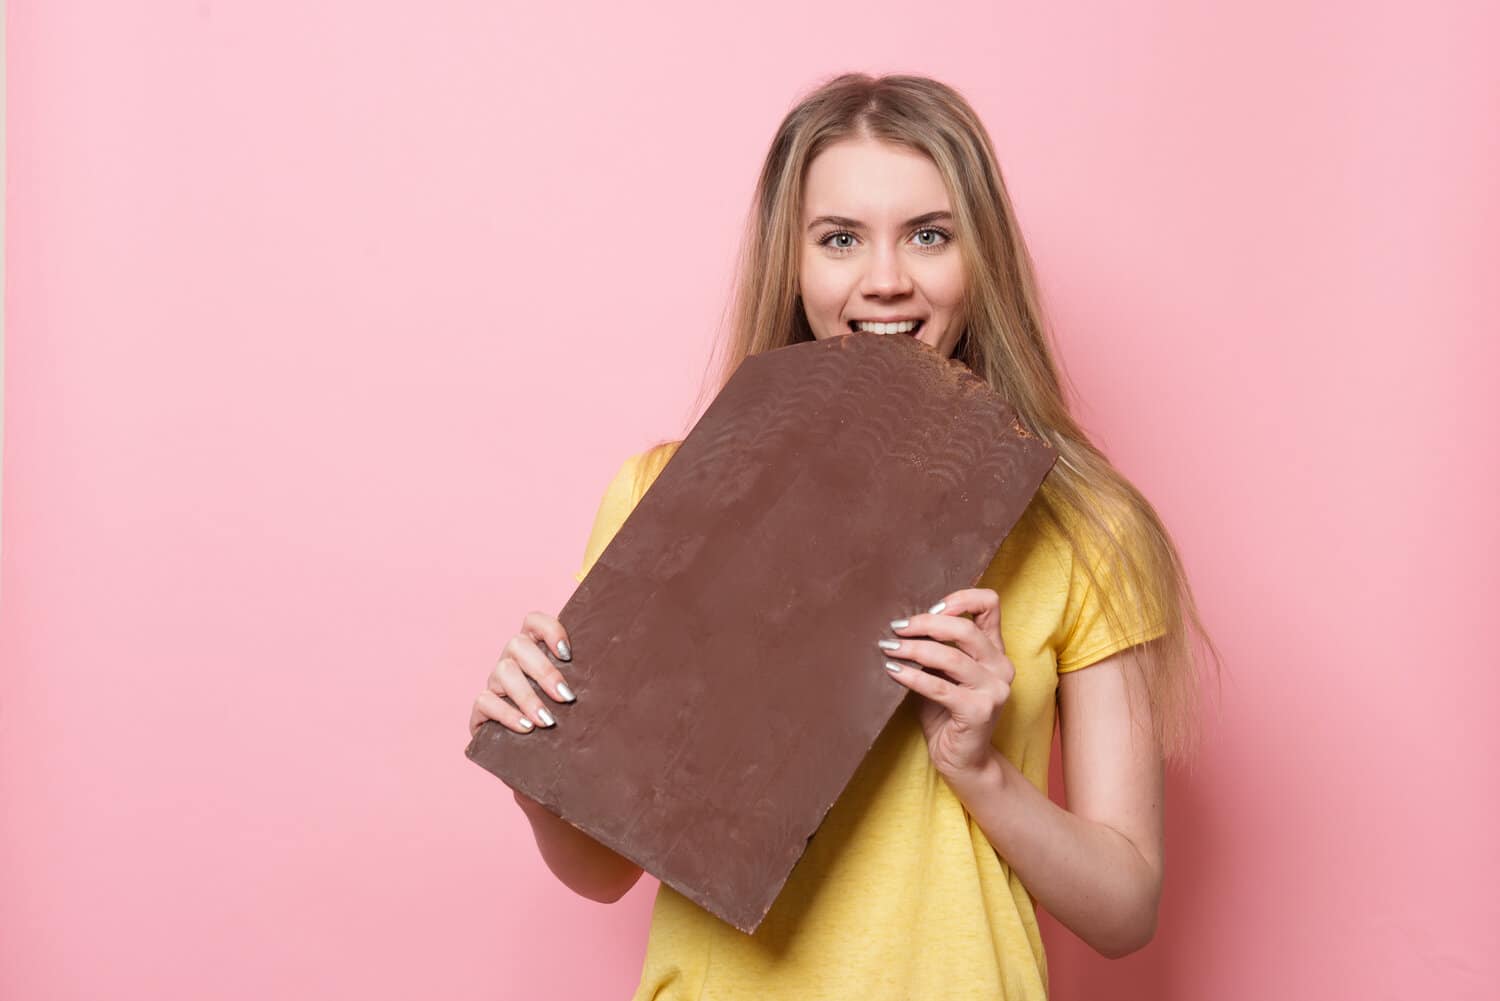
x: 899, y: 896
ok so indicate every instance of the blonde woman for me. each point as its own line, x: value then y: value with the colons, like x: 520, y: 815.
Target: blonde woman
x: 881, y: 207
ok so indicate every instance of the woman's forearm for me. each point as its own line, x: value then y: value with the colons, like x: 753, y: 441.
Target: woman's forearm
x: 588, y: 868
x: 1087, y: 875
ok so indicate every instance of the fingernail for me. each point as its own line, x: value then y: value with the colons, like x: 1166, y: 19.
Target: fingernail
x: 565, y: 692
x: 562, y: 650
x: 526, y: 724
x: 900, y: 623
x: 890, y: 644
x: 894, y: 668
x: 937, y: 608
x: 547, y: 719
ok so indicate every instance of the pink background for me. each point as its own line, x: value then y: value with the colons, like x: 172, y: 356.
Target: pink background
x: 329, y: 322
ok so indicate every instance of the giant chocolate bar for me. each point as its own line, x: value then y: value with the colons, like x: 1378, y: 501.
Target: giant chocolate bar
x: 724, y: 660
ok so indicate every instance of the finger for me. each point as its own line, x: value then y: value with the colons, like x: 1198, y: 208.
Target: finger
x: 950, y: 625
x: 524, y: 651
x: 489, y: 706
x: 507, y: 679
x: 951, y: 661
x: 546, y: 629
x: 967, y: 706
x: 933, y: 686
x: 981, y: 602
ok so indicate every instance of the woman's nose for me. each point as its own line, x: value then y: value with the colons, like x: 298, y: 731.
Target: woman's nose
x: 886, y: 274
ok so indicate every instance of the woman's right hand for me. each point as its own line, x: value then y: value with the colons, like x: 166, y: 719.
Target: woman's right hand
x: 509, y: 698
x: 587, y: 866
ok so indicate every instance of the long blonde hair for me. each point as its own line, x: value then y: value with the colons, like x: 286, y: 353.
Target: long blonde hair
x: 1004, y: 341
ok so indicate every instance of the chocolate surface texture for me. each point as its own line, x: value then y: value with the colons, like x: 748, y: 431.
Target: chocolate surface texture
x: 724, y: 660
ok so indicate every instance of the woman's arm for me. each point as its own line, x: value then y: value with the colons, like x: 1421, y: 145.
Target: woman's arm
x: 585, y: 866
x: 1096, y: 866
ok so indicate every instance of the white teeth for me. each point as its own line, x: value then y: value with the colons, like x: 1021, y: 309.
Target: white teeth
x: 904, y: 327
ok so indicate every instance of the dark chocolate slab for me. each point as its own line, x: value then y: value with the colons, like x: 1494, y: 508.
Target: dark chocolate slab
x: 723, y: 644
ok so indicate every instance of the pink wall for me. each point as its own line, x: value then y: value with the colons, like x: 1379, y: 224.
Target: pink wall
x: 328, y: 322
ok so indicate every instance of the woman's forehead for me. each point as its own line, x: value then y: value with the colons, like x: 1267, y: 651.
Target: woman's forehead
x: 873, y: 183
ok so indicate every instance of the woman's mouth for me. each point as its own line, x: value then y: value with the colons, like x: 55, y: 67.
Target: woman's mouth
x: 903, y: 327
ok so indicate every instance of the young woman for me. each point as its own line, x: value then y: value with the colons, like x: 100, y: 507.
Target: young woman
x: 880, y: 207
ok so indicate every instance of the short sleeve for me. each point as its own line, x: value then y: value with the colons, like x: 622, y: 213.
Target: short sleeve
x: 618, y: 501
x: 1087, y: 634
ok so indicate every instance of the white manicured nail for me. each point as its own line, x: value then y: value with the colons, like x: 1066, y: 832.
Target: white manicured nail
x: 937, y: 608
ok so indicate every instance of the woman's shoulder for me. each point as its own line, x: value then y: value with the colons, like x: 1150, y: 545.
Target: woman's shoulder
x: 631, y: 480
x: 643, y: 467
x: 1068, y: 531
x: 653, y: 459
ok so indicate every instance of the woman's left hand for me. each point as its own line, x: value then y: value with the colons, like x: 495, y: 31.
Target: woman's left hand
x: 960, y: 710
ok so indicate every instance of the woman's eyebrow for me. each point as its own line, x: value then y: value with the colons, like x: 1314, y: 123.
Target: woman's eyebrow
x: 845, y: 221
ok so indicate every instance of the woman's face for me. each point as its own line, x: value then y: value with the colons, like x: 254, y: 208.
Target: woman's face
x: 878, y: 243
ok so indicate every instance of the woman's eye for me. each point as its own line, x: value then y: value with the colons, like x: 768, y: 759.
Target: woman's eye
x: 836, y: 240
